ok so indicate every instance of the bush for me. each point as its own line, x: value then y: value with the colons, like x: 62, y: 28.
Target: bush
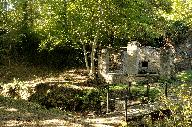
x: 60, y: 57
x: 181, y: 105
x: 68, y: 99
x: 138, y: 91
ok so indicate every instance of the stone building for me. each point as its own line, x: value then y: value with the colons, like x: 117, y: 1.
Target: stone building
x: 126, y: 63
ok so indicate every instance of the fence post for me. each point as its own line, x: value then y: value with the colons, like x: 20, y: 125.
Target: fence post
x: 129, y: 90
x: 148, y: 88
x: 126, y: 108
x: 107, y: 98
x: 166, y: 89
x: 127, y: 96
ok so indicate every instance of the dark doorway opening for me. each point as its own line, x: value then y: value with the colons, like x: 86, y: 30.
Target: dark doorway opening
x: 144, y: 64
x: 143, y: 67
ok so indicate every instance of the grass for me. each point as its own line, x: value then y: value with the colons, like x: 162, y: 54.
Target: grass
x: 25, y: 113
x: 138, y: 91
x: 185, y: 76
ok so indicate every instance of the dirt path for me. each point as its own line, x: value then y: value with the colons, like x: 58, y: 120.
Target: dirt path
x: 22, y: 113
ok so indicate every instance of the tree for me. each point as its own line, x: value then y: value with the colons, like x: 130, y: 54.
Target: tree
x: 8, y: 28
x: 81, y: 23
x: 92, y: 21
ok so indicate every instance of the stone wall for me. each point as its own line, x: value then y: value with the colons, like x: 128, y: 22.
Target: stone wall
x: 168, y: 63
x: 152, y: 57
x: 116, y: 66
x: 132, y: 58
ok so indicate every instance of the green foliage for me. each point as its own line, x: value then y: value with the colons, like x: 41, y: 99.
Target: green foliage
x: 180, y: 11
x: 179, y: 101
x: 117, y: 87
x: 180, y: 105
x: 37, y: 28
x: 154, y: 94
x: 177, y: 31
x: 67, y: 99
x: 60, y: 57
x: 137, y: 91
x: 185, y: 76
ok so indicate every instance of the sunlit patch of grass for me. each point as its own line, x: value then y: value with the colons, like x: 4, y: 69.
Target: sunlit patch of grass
x: 185, y: 76
x: 11, y: 109
x: 118, y: 87
x: 16, y: 89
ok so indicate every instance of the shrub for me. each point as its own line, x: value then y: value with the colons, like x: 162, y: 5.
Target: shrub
x: 181, y: 105
x: 138, y: 91
x: 68, y: 99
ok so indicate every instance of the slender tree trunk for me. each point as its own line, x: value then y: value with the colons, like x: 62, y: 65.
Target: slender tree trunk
x: 86, y: 58
x: 94, y: 46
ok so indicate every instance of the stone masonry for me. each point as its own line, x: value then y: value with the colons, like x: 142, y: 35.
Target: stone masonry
x: 119, y: 66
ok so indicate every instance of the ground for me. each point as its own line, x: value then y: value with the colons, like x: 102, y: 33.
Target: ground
x: 20, y: 112
x: 16, y: 112
x: 23, y: 113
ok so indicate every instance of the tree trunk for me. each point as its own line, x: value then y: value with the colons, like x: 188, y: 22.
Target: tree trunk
x: 86, y: 58
x: 94, y: 46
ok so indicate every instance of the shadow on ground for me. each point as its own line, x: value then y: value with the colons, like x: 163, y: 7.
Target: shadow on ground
x: 31, y: 74
x: 22, y: 113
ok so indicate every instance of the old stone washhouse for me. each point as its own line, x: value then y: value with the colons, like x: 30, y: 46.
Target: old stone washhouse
x: 133, y: 62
